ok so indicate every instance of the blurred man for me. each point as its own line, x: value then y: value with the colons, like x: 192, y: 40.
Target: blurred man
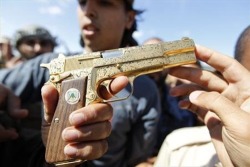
x: 31, y: 41
x: 104, y: 25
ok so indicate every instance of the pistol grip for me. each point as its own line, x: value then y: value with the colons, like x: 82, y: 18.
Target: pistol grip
x: 72, y: 97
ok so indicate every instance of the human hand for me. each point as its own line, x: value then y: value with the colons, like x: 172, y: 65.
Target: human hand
x: 90, y: 124
x: 9, y: 113
x: 225, y: 106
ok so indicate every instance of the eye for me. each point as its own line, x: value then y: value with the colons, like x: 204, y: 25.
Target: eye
x: 82, y: 2
x: 30, y: 42
x: 105, y: 2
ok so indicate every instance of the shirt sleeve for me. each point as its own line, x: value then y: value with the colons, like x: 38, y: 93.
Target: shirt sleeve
x: 27, y: 79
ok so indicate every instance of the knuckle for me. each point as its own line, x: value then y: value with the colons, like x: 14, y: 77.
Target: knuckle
x: 103, y: 145
x: 99, y: 131
x: 107, y: 129
x: 215, y: 99
x: 93, y: 150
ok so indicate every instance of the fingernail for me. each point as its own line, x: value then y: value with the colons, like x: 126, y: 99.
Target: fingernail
x: 194, y: 95
x: 76, y: 118
x: 70, y: 151
x: 70, y: 135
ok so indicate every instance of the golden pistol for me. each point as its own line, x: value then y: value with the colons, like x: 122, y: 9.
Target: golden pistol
x: 78, y: 77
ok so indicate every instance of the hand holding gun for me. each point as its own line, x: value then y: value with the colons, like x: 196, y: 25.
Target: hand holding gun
x: 80, y: 81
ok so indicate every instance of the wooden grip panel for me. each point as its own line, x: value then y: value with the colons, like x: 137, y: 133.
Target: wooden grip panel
x: 72, y: 97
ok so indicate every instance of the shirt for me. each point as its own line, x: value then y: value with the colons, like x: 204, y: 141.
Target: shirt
x: 134, y: 122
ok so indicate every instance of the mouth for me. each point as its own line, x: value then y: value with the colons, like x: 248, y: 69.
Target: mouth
x: 90, y: 30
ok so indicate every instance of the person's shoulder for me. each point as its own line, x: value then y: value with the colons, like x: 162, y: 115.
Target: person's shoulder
x: 33, y: 63
x: 46, y: 57
x: 41, y: 59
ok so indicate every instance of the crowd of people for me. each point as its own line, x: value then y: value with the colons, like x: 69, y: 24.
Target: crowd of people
x: 29, y: 41
x: 147, y: 129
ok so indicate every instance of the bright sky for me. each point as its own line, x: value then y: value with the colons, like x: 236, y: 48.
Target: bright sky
x: 213, y: 23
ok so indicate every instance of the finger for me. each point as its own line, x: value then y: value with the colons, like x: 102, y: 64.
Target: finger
x: 114, y: 87
x: 91, y: 114
x: 230, y: 68
x: 246, y: 105
x: 185, y: 104
x: 208, y: 117
x: 184, y: 89
x: 19, y: 113
x: 10, y: 102
x: 118, y: 84
x: 13, y: 107
x: 50, y: 99
x: 228, y: 112
x: 96, y: 131
x: 7, y: 134
x: 86, y: 150
x: 205, y: 79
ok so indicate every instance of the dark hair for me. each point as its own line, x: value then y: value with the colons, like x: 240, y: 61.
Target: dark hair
x: 127, y: 39
x: 33, y: 31
x: 241, y: 43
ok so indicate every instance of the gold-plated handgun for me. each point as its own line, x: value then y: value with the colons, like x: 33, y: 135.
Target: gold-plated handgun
x: 78, y: 77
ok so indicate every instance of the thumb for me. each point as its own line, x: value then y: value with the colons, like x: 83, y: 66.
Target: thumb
x: 50, y: 98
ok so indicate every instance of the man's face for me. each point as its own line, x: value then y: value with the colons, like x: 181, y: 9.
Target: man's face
x: 32, y: 47
x: 102, y: 23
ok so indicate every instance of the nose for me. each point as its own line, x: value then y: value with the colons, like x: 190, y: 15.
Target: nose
x: 37, y: 47
x: 90, y: 9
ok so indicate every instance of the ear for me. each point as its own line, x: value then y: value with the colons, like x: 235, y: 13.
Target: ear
x: 130, y: 19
